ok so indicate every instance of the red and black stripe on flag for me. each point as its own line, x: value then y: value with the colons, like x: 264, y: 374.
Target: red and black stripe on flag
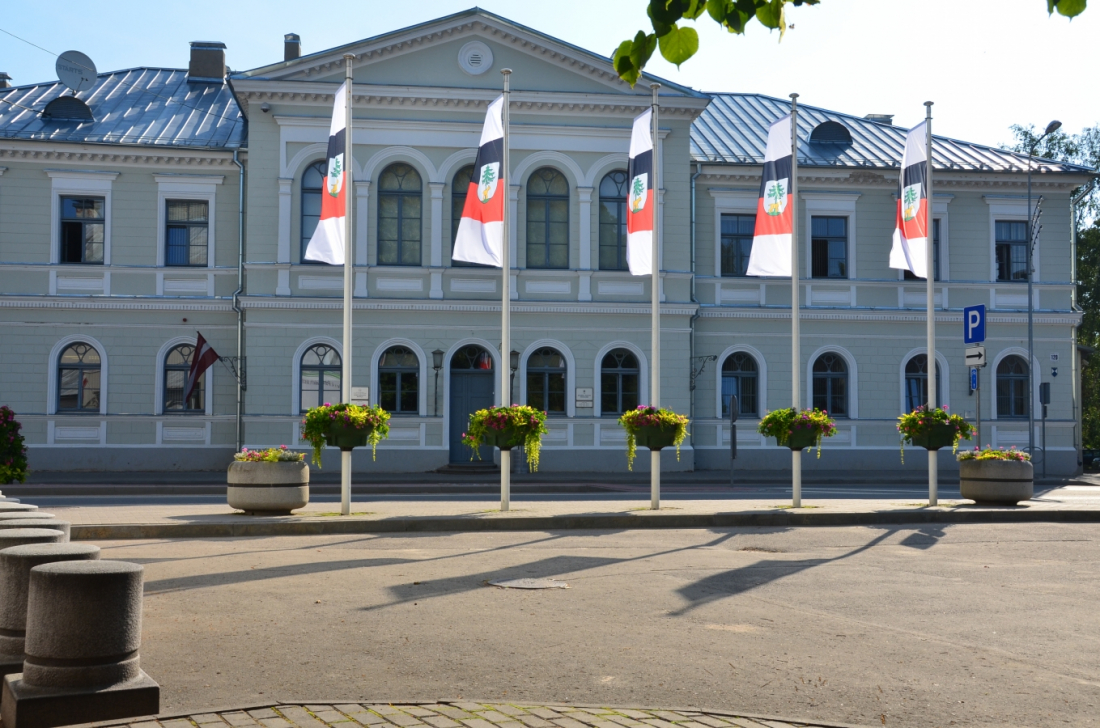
x: 639, y: 209
x: 489, y: 161
x: 333, y: 205
x: 774, y: 211
x: 913, y: 201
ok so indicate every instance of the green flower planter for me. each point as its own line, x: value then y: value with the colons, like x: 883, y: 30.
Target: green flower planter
x: 801, y: 438
x: 347, y: 437
x: 505, y: 439
x: 935, y: 437
x: 655, y: 438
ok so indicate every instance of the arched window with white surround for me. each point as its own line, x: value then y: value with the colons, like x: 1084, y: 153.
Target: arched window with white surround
x: 740, y: 377
x: 830, y: 384
x: 546, y: 370
x: 313, y: 186
x: 177, y: 368
x: 1012, y: 388
x: 916, y: 382
x: 319, y: 377
x: 547, y: 219
x: 399, y: 381
x: 613, y: 192
x: 78, y: 379
x: 619, y: 382
x: 400, y: 202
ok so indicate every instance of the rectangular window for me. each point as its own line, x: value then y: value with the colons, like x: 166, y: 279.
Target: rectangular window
x: 82, y: 229
x: 1011, y: 246
x: 829, y: 252
x: 187, y: 232
x: 737, y: 233
x: 935, y: 254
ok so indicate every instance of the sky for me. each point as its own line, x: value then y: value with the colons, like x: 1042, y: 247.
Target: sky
x: 986, y: 64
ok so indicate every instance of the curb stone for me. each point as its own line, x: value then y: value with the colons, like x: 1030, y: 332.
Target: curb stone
x: 353, y: 525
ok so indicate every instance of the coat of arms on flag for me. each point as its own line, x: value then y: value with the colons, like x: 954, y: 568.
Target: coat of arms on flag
x: 487, y: 181
x: 911, y: 235
x: 910, y: 202
x: 775, y: 197
x: 639, y: 192
x: 336, y: 175
x: 771, y: 242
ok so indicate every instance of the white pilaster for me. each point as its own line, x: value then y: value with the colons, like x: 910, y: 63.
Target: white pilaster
x: 584, y: 197
x: 437, y: 225
x: 285, y: 187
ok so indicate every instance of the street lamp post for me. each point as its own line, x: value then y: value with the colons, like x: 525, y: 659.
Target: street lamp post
x: 437, y: 364
x: 1051, y: 128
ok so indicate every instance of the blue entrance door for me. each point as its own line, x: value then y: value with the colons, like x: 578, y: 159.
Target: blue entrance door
x: 471, y: 389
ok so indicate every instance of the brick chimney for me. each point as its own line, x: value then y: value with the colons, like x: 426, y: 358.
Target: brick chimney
x: 292, y: 47
x: 207, y: 62
x: 5, y: 80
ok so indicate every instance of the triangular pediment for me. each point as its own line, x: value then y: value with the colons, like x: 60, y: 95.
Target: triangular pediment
x: 465, y: 50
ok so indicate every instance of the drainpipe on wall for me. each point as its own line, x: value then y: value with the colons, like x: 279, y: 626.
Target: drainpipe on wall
x: 237, y: 297
x: 1076, y: 373
x: 691, y: 323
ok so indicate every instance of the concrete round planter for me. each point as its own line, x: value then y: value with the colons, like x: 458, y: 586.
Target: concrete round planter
x: 996, y: 482
x: 268, y: 488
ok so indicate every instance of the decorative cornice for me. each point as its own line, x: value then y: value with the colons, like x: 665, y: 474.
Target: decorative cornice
x: 961, y: 180
x: 455, y: 306
x: 1066, y: 318
x: 41, y: 151
x: 104, y: 303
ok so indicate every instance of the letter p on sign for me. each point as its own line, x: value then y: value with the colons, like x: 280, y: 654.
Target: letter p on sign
x: 974, y: 324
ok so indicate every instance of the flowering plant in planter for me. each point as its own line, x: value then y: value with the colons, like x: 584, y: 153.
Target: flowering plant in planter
x: 656, y: 427
x: 13, y: 454
x: 508, y: 427
x: 281, y: 454
x: 933, y: 429
x: 335, y: 421
x: 988, y: 453
x: 791, y: 427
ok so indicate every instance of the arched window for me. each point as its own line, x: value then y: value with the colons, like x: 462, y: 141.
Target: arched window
x: 319, y: 377
x: 460, y: 185
x: 916, y: 382
x: 547, y: 219
x: 739, y: 377
x: 78, y: 379
x: 471, y: 357
x: 613, y: 190
x: 177, y: 367
x: 546, y: 381
x: 831, y: 384
x: 313, y: 185
x: 618, y: 382
x: 399, y: 204
x: 399, y: 381
x: 1012, y: 388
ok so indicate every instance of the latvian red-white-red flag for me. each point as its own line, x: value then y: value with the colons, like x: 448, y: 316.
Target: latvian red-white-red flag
x: 202, y: 359
x: 481, y: 230
x: 771, y: 242
x: 327, y: 243
x: 639, y: 198
x: 910, y: 249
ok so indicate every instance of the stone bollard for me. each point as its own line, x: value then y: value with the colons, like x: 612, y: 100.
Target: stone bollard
x: 83, y: 637
x: 11, y: 507
x: 19, y: 536
x: 18, y: 515
x: 55, y: 523
x: 16, y: 563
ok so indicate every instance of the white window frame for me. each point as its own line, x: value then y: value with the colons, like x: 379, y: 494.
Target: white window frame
x: 52, y: 367
x: 1004, y: 353
x: 570, y: 372
x: 296, y: 368
x: 202, y: 188
x: 422, y: 359
x: 829, y: 204
x: 68, y: 182
x: 853, y: 378
x: 761, y: 378
x: 945, y: 374
x: 939, y: 212
x: 158, y: 392
x: 730, y: 202
x: 597, y: 382
x: 1011, y: 208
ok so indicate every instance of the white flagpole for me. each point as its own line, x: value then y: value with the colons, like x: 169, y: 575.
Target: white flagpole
x: 345, y: 370
x: 505, y: 305
x: 796, y: 337
x: 930, y: 281
x: 655, y: 308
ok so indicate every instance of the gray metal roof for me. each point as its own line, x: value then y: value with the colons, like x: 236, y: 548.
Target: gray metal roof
x: 144, y: 106
x: 734, y: 130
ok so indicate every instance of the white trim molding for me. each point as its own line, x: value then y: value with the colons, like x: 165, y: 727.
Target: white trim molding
x: 202, y: 188
x: 853, y: 378
x: 570, y: 372
x: 79, y: 182
x: 158, y: 389
x: 761, y: 377
x: 52, y: 370
x: 643, y: 374
x: 943, y: 377
x: 1010, y: 208
x: 729, y: 202
x: 1001, y: 355
x: 836, y: 204
x: 296, y: 368
x: 422, y: 360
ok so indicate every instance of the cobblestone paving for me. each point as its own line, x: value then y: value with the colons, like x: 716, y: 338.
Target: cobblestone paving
x: 459, y: 715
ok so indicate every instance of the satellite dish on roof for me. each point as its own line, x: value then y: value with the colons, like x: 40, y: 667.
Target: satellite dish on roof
x: 76, y: 70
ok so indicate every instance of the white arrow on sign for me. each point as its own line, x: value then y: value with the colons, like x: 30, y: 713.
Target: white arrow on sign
x: 975, y: 356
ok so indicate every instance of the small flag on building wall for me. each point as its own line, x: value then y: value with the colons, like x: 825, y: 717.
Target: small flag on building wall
x: 639, y: 198
x: 910, y: 248
x: 327, y: 243
x: 202, y: 359
x: 481, y: 229
x: 771, y: 243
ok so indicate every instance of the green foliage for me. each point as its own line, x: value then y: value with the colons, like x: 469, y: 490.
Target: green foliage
x: 526, y: 424
x: 917, y: 423
x: 13, y: 453
x: 679, y: 43
x: 645, y: 416
x: 318, y: 423
x: 281, y: 454
x: 782, y: 423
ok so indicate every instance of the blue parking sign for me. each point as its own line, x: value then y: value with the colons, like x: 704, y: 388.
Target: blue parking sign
x: 974, y: 324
